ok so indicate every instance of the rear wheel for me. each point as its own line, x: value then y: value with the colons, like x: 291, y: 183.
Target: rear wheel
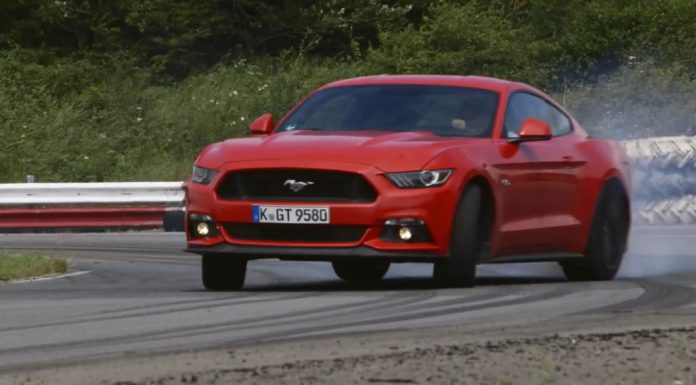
x: 360, y: 271
x: 459, y: 270
x: 223, y: 272
x: 607, y: 243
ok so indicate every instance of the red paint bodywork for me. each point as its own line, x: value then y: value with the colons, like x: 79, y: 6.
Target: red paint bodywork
x: 546, y: 207
x: 81, y: 217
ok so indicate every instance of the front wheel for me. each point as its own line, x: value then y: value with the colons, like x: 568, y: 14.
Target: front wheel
x: 360, y: 271
x: 466, y: 243
x: 223, y: 272
x: 607, y: 243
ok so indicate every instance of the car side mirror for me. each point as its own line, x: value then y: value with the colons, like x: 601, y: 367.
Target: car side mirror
x: 533, y: 130
x: 263, y: 125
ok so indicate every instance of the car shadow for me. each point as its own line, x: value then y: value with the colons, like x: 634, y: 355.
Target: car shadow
x: 393, y: 284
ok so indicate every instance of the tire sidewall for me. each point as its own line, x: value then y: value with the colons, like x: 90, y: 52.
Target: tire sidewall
x: 360, y: 271
x: 223, y: 272
x: 608, y: 235
x: 459, y: 270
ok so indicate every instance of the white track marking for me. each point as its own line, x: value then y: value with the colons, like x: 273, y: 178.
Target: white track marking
x: 48, y: 278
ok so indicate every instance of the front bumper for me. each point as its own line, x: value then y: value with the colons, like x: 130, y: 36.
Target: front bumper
x: 434, y: 206
x: 313, y: 253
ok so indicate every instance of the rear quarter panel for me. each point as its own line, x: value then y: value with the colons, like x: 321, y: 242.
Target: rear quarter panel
x: 605, y: 160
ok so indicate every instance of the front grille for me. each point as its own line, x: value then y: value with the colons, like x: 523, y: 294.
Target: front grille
x: 276, y: 184
x: 294, y: 232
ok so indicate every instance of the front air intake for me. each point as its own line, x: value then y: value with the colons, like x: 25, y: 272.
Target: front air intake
x: 295, y: 185
x: 312, y: 233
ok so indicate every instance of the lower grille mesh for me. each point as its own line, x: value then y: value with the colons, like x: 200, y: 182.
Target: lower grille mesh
x: 295, y: 232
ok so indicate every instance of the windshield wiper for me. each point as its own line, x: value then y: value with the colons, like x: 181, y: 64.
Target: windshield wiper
x: 309, y: 129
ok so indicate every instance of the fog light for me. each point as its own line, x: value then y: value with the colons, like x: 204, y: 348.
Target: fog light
x: 202, y: 229
x: 407, y: 230
x: 405, y: 233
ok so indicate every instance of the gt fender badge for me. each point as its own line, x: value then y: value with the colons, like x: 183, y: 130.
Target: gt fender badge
x: 296, y: 185
x: 505, y: 182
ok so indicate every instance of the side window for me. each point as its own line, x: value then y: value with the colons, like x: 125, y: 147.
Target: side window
x: 523, y: 105
x: 520, y: 107
x: 560, y: 124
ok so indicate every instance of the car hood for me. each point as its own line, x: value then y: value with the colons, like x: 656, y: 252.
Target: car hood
x: 388, y: 151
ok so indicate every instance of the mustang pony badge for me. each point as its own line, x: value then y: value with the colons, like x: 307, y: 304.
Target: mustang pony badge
x: 296, y: 185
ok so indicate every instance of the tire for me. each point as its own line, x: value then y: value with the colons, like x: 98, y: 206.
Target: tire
x: 607, y: 242
x: 360, y: 271
x: 222, y: 272
x: 173, y: 221
x: 466, y: 243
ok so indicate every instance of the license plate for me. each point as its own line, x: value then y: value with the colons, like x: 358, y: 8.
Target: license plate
x: 290, y: 214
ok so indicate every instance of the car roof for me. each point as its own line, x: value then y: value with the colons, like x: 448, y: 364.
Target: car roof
x: 483, y: 82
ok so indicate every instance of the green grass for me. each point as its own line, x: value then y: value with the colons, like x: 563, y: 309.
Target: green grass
x: 89, y: 120
x: 21, y: 266
x: 117, y: 125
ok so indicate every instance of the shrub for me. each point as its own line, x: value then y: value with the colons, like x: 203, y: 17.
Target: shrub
x: 464, y: 40
x: 87, y: 120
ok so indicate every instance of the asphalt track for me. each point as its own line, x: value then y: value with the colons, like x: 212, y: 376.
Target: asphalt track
x: 143, y: 295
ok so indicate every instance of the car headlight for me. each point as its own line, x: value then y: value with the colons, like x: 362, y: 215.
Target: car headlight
x: 202, y: 175
x: 417, y: 179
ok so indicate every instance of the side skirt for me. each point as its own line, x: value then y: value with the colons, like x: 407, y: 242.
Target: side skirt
x: 539, y: 257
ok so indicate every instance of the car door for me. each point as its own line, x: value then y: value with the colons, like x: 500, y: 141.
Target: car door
x: 538, y: 181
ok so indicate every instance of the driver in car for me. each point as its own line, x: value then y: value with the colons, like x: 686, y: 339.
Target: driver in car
x: 472, y: 120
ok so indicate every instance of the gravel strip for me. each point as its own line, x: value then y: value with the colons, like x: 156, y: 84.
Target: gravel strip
x: 638, y: 357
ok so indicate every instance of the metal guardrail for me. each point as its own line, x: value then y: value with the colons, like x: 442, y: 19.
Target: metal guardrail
x: 664, y: 189
x: 664, y: 180
x: 37, y: 206
x: 69, y: 194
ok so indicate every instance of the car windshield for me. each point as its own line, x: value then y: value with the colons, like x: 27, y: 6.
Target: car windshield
x: 441, y: 110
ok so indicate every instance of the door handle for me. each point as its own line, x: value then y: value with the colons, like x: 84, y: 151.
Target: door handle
x: 568, y: 161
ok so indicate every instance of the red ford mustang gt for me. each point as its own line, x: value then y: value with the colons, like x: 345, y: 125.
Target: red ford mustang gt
x: 448, y: 170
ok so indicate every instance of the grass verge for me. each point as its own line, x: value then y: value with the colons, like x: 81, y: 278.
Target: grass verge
x: 21, y: 266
